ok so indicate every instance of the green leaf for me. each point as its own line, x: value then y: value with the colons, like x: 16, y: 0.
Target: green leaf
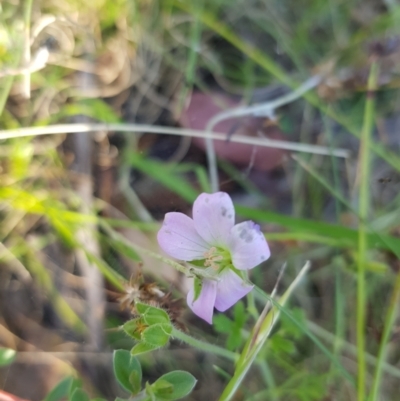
x: 291, y: 328
x: 151, y: 314
x: 198, y: 285
x: 142, y: 348
x: 283, y: 345
x: 161, y: 387
x: 150, y: 392
x: 182, y: 384
x: 127, y: 371
x: 76, y: 383
x: 222, y: 324
x: 134, y: 328
x: 239, y: 314
x: 234, y: 339
x: 7, y: 356
x: 79, y: 395
x: 165, y: 174
x: 135, y: 378
x: 121, y: 247
x: 94, y: 108
x: 60, y: 390
x: 342, y: 236
x: 225, y: 325
x: 157, y: 335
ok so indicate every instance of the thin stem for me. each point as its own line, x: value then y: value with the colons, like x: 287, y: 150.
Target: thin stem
x: 365, y: 161
x: 389, y: 321
x: 26, y: 83
x: 350, y: 348
x: 251, y: 305
x: 62, y: 129
x: 188, y: 271
x: 206, y: 347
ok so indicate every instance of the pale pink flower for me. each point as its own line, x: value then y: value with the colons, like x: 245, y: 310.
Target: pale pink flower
x: 212, y: 237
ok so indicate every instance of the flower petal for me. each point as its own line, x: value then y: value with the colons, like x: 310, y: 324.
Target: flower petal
x: 178, y: 238
x: 203, y: 307
x: 230, y: 289
x: 248, y: 245
x: 214, y: 217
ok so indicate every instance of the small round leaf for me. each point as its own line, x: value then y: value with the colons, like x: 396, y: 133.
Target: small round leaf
x: 127, y: 371
x: 182, y: 384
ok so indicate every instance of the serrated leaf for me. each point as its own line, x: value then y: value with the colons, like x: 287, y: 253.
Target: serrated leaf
x: 234, y: 340
x: 283, y: 345
x: 289, y: 327
x: 222, y: 324
x: 79, y: 395
x: 157, y: 335
x: 60, y: 390
x: 142, y: 348
x: 7, y: 356
x: 182, y: 385
x: 127, y: 371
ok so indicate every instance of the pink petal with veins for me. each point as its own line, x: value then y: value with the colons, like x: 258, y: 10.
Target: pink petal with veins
x: 203, y: 307
x: 214, y: 217
x: 179, y: 238
x: 230, y: 289
x: 248, y: 246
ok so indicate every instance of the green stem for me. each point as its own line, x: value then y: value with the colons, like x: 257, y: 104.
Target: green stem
x: 257, y: 339
x: 206, y: 347
x: 27, y: 47
x: 364, y: 172
x: 188, y: 271
x: 389, y: 321
x: 251, y: 305
x: 350, y: 348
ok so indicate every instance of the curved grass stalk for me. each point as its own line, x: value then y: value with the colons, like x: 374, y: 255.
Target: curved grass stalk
x: 62, y: 129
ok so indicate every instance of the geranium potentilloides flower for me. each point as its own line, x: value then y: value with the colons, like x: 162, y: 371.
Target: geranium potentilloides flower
x: 212, y: 238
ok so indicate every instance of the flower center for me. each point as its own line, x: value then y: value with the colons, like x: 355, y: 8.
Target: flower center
x: 217, y: 258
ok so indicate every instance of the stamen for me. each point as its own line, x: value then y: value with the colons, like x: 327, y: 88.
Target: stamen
x: 213, y: 258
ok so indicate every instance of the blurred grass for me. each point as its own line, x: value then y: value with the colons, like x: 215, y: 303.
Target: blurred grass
x: 240, y: 45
